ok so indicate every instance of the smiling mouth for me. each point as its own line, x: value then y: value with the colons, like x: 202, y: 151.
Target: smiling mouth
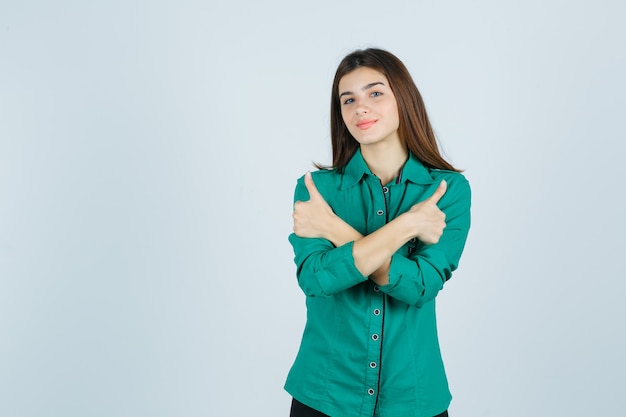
x: 365, y: 124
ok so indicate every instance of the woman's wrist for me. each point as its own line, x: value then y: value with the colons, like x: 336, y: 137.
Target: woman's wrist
x: 339, y: 232
x: 408, y: 227
x: 381, y: 275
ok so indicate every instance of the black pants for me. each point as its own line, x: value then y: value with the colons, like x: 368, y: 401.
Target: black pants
x: 300, y: 410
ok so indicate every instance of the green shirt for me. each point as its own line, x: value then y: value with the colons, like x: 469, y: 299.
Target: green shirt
x: 371, y: 350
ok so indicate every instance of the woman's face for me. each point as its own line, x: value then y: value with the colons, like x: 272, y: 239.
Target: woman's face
x: 368, y: 107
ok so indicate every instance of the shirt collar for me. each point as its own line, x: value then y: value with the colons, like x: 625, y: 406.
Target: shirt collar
x: 416, y: 172
x: 413, y: 170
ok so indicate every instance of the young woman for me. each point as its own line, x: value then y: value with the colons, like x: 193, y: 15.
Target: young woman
x: 375, y: 238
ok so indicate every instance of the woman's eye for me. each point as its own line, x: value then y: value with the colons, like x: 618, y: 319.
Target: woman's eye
x: 376, y: 94
x: 348, y: 101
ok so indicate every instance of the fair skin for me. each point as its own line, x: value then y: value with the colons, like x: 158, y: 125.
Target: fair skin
x: 370, y: 112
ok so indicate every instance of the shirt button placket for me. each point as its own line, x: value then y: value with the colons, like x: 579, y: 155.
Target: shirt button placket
x: 372, y: 364
x: 375, y: 344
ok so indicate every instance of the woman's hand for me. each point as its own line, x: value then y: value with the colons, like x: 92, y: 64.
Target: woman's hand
x: 426, y: 218
x: 313, y: 218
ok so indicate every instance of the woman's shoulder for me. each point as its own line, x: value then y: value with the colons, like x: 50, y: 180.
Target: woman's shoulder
x: 324, y: 177
x: 451, y: 177
x: 457, y: 184
x: 327, y: 182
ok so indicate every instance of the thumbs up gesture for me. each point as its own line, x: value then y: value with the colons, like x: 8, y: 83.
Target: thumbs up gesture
x: 312, y: 218
x: 427, y: 219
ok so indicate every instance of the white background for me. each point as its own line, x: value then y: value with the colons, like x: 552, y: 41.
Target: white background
x: 148, y: 155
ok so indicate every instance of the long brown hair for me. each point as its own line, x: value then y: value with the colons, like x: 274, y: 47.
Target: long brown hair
x: 414, y: 128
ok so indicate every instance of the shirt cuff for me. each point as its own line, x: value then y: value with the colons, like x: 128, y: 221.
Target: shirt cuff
x: 337, y: 271
x: 414, y: 282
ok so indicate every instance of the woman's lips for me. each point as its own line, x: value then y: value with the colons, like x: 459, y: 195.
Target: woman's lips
x: 365, y: 124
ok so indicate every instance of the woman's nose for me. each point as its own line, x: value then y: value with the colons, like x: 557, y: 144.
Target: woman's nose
x: 361, y: 108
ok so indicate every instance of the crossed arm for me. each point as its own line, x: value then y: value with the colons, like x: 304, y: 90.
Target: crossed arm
x: 372, y: 253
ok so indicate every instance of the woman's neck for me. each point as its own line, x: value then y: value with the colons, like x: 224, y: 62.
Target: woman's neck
x: 385, y: 161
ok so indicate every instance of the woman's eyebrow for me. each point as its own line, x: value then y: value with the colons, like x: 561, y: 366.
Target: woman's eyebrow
x: 367, y: 87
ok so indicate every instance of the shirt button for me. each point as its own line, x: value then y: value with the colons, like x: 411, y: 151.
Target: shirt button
x: 376, y: 289
x: 374, y: 337
x: 372, y: 365
x: 385, y: 190
x: 370, y: 391
x: 380, y: 212
x: 376, y: 312
x: 413, y: 240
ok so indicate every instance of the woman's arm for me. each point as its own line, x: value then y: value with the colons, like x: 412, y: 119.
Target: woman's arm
x: 373, y: 253
x: 423, y: 221
x: 416, y: 279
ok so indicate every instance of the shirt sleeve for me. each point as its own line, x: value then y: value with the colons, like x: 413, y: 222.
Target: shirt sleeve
x: 418, y: 278
x: 322, y: 268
